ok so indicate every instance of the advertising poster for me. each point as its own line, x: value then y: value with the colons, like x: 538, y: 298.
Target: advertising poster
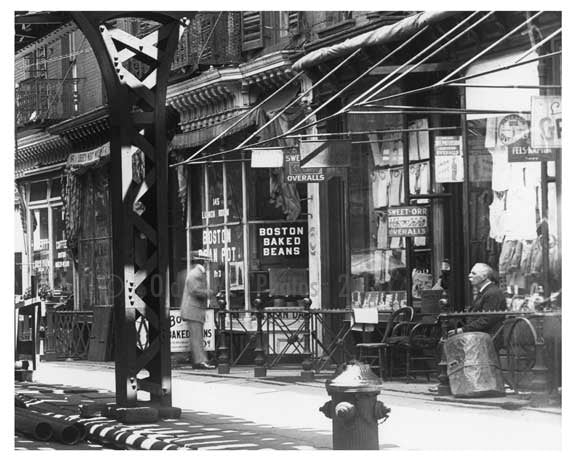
x: 180, y: 332
x: 448, y: 160
x: 546, y: 112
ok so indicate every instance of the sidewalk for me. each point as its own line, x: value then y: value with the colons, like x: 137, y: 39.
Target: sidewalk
x: 215, y: 414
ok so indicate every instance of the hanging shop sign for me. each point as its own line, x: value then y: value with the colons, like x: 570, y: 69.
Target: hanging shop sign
x: 281, y: 241
x: 317, y: 154
x: 408, y: 221
x: 264, y: 157
x: 521, y: 151
x: 546, y: 112
x: 448, y: 159
x: 295, y: 173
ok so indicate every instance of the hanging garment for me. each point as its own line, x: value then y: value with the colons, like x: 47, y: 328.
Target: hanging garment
x: 423, y: 139
x: 380, y: 187
x: 425, y: 178
x: 500, y: 169
x: 536, y: 256
x: 382, y: 233
x: 396, y: 196
x: 525, y: 259
x: 413, y: 142
x: 510, y: 256
x: 520, y: 222
x: 498, y: 216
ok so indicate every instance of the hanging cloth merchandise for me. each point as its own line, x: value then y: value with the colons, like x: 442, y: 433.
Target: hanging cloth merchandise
x: 380, y: 187
x: 72, y: 195
x: 283, y: 194
x: 382, y: 233
x: 396, y: 187
x: 498, y: 216
x: 416, y: 188
x: 500, y: 168
x: 525, y: 259
x: 520, y: 222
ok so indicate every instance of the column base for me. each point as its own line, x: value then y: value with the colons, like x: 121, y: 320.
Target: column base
x: 224, y: 369
x: 259, y: 372
x: 307, y: 374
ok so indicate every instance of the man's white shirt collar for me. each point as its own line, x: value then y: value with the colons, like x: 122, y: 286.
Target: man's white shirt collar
x: 483, y: 287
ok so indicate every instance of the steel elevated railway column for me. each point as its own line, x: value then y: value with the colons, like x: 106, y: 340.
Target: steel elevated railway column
x: 139, y: 179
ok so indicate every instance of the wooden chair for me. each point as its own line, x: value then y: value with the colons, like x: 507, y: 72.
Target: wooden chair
x: 422, y: 354
x: 376, y: 354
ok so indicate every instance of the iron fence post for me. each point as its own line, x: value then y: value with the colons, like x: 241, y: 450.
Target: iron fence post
x: 259, y: 355
x: 223, y: 356
x: 307, y: 364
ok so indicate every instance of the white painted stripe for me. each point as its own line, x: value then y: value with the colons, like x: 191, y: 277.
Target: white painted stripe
x: 228, y: 446
x: 131, y: 439
x: 147, y: 443
x: 198, y: 437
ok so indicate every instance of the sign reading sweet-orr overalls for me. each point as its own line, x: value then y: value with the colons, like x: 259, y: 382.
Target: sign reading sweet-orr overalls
x: 407, y: 221
x: 180, y: 332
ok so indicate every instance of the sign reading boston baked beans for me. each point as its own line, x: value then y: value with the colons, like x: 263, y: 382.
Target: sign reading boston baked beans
x: 282, y: 241
x: 407, y: 221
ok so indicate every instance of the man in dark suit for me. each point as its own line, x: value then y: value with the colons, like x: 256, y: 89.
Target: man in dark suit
x: 193, y: 309
x: 488, y: 298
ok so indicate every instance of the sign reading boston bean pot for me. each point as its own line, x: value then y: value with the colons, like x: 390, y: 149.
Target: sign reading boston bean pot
x: 281, y: 241
x: 408, y: 221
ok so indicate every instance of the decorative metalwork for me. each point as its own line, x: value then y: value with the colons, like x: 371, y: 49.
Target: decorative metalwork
x: 68, y: 334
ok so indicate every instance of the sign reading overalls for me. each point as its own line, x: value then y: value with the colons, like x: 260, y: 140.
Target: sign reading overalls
x: 407, y: 221
x: 180, y: 332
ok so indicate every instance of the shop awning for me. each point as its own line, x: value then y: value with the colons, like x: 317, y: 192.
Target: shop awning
x: 389, y: 33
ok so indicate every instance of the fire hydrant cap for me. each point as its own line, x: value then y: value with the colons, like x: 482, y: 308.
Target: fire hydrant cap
x: 356, y: 377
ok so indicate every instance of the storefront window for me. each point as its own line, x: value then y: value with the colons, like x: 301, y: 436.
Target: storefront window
x: 508, y: 208
x: 272, y: 261
x: 95, y: 258
x: 376, y: 190
x: 63, y: 275
x: 51, y: 263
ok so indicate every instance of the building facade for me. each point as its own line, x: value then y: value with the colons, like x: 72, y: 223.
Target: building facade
x: 353, y: 158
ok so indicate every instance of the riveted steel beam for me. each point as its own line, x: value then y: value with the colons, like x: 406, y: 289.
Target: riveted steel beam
x: 139, y: 180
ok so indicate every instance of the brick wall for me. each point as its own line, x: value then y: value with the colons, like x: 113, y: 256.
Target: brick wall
x: 90, y: 88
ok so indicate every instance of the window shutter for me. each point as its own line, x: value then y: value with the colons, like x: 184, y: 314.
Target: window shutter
x: 252, y: 30
x: 294, y: 21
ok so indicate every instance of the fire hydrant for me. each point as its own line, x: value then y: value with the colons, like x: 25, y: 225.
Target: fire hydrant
x: 354, y: 408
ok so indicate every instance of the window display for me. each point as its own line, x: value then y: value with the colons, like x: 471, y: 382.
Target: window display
x: 263, y: 254
x: 378, y: 221
x: 506, y: 203
x: 51, y: 263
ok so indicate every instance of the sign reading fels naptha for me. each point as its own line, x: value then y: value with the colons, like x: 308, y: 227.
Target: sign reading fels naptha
x: 286, y: 240
x: 407, y: 221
